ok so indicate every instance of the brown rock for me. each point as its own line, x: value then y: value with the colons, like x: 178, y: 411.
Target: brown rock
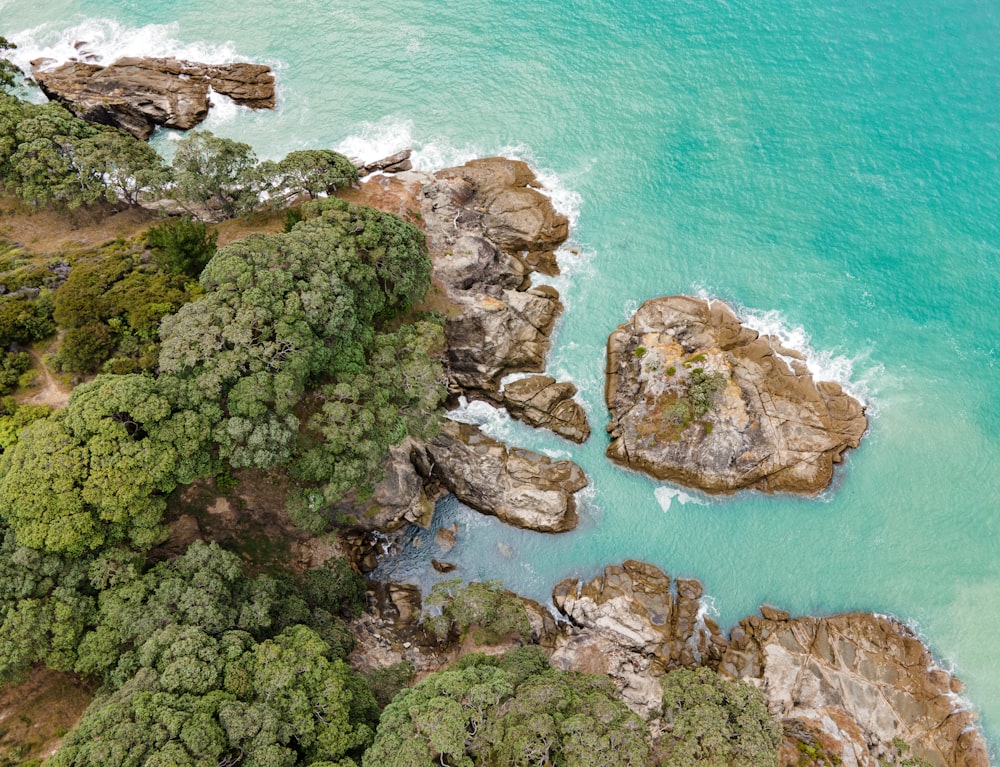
x: 398, y: 499
x: 518, y: 486
x: 864, y: 682
x: 698, y: 399
x: 394, y: 163
x: 445, y: 538
x: 443, y: 567
x: 139, y: 94
x: 541, y: 401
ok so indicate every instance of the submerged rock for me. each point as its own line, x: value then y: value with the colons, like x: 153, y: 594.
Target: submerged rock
x: 139, y: 94
x: 699, y: 399
x: 517, y: 486
x: 542, y: 401
x: 861, y: 685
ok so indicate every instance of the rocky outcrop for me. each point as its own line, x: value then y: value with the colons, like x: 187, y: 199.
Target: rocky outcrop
x: 542, y: 401
x: 139, y: 94
x: 397, y: 500
x: 699, y: 399
x: 861, y: 685
x: 398, y: 162
x: 518, y: 486
x: 488, y: 227
x: 635, y: 606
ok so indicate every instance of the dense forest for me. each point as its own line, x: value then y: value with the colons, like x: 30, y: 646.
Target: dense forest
x: 295, y: 354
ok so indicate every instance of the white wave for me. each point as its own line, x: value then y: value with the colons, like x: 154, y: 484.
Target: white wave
x: 493, y: 421
x: 665, y: 496
x: 103, y: 41
x: 857, y: 375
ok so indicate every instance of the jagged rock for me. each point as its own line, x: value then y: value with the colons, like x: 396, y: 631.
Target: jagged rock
x: 514, y: 214
x: 628, y: 624
x: 864, y: 682
x: 633, y: 606
x: 398, y: 499
x: 518, y: 486
x: 139, y: 94
x: 699, y: 399
x: 494, y: 336
x: 445, y: 538
x: 394, y: 163
x: 542, y: 401
x: 443, y: 567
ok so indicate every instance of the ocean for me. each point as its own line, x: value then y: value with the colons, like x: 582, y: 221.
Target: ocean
x: 828, y: 168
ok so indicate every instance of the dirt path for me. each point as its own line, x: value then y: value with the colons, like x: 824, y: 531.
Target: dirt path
x: 53, y: 393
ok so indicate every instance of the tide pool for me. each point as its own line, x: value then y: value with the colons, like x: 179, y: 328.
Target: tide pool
x: 830, y: 169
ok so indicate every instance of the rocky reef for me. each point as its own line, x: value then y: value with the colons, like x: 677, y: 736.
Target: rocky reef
x: 544, y: 402
x: 140, y: 94
x: 699, y: 399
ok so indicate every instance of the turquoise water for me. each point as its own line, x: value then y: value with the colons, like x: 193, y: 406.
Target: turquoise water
x: 829, y: 168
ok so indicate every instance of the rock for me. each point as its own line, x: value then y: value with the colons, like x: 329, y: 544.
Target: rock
x: 861, y: 683
x: 517, y: 217
x: 518, y: 486
x: 445, y: 538
x: 541, y: 401
x: 443, y: 567
x: 774, y: 614
x: 494, y: 336
x: 139, y: 94
x: 394, y: 163
x: 399, y: 498
x: 697, y: 398
x: 633, y: 606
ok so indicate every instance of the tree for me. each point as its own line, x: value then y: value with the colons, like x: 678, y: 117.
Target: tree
x: 716, y: 722
x: 489, y: 610
x: 217, y: 172
x: 198, y: 698
x: 9, y: 73
x: 182, y: 246
x: 127, y: 169
x: 511, y: 712
x: 95, y: 474
x: 284, y: 310
x: 313, y: 172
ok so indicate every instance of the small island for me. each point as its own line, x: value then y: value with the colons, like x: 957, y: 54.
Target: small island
x: 699, y: 399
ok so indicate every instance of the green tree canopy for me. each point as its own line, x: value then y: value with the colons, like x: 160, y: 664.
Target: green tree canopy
x: 716, y: 722
x: 313, y: 172
x: 9, y: 73
x: 95, y: 474
x: 127, y: 170
x: 512, y: 712
x: 284, y: 310
x: 217, y: 172
x: 198, y: 698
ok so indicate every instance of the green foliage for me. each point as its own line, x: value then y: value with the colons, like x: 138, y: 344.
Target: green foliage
x: 488, y: 712
x: 182, y: 246
x: 12, y: 366
x: 385, y: 683
x: 198, y: 698
x: 702, y: 390
x: 491, y: 612
x: 217, y: 172
x: 14, y: 417
x: 716, y: 722
x: 283, y: 310
x: 9, y: 73
x: 46, y: 604
x: 37, y: 154
x: 313, y: 172
x: 24, y: 320
x: 361, y: 414
x: 95, y: 474
x: 111, y: 306
x: 125, y: 169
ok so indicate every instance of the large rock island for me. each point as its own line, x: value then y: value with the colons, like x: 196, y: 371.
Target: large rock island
x: 697, y: 398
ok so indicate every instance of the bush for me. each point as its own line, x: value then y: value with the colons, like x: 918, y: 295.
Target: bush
x: 182, y: 246
x: 489, y: 610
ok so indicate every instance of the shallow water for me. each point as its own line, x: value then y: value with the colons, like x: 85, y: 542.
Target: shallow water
x: 829, y: 168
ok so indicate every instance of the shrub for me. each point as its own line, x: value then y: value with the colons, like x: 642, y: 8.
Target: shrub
x: 182, y: 246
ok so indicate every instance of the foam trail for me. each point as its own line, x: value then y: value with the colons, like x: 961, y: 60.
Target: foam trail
x: 665, y: 496
x: 103, y: 41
